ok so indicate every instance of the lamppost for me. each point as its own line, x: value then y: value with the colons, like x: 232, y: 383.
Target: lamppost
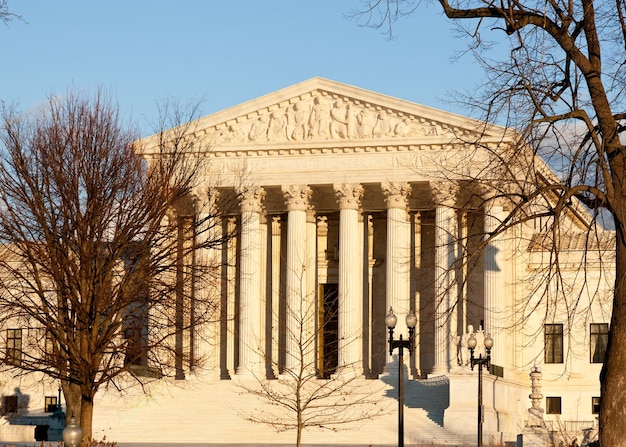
x: 58, y: 410
x: 411, y: 322
x: 481, y: 362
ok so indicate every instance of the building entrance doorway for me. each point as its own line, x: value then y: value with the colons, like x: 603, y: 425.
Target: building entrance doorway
x: 328, y: 324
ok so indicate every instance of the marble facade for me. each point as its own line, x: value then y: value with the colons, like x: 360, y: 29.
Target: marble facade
x: 351, y: 202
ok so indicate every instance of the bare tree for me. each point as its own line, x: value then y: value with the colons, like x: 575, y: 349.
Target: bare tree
x: 98, y: 247
x: 306, y: 388
x: 561, y: 86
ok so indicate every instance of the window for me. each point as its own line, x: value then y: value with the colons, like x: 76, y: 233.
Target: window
x: 50, y: 404
x: 135, y: 325
x: 49, y: 347
x: 14, y: 347
x: 136, y: 353
x: 595, y: 405
x: 135, y: 320
x: 554, y: 343
x: 553, y: 405
x: 599, y: 338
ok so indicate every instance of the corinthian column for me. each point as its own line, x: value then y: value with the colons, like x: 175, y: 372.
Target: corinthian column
x: 300, y: 308
x: 311, y: 283
x: 445, y: 296
x: 350, y: 274
x: 398, y: 253
x: 275, y: 296
x: 250, y: 344
x: 207, y: 290
x: 494, y: 279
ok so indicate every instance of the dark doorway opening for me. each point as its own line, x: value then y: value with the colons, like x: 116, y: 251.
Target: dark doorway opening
x: 328, y: 357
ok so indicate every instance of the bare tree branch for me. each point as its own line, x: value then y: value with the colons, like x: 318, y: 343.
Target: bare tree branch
x: 5, y: 14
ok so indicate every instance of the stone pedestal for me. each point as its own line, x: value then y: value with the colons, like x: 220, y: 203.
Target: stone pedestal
x: 535, y: 437
x: 461, y: 416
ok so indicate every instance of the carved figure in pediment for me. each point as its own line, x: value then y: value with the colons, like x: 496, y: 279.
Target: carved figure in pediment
x: 231, y: 134
x: 276, y: 126
x: 351, y: 120
x: 297, y: 122
x: 258, y: 128
x: 319, y: 120
x: 404, y: 129
x: 344, y: 121
x: 365, y: 125
x: 339, y: 124
x: 382, y: 128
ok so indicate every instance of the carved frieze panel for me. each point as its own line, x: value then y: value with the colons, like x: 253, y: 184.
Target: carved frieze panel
x: 321, y: 116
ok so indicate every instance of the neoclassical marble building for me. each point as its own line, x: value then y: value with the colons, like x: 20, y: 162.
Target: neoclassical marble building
x: 350, y: 203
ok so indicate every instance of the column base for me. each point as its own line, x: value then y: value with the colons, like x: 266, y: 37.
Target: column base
x: 438, y: 370
x: 245, y: 372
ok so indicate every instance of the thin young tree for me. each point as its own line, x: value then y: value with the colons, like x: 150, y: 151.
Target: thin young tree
x: 97, y: 246
x: 306, y: 388
x: 560, y: 85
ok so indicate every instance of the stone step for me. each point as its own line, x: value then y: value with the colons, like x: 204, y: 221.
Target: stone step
x: 198, y: 410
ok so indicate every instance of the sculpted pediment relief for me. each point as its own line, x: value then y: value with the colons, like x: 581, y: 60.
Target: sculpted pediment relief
x: 320, y: 115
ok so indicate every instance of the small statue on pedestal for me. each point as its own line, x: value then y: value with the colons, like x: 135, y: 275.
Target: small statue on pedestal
x: 463, y: 357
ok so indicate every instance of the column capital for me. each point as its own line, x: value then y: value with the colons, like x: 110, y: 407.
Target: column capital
x: 251, y: 199
x: 396, y: 194
x: 349, y: 195
x: 297, y: 197
x: 205, y: 198
x: 444, y: 192
x: 491, y: 202
x: 496, y: 196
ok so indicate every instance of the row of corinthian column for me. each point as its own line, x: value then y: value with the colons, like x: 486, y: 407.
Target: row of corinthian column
x: 300, y: 275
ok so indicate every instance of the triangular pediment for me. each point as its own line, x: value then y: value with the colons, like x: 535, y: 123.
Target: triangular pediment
x: 320, y: 112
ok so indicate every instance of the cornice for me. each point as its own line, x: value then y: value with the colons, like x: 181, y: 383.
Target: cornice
x: 347, y: 147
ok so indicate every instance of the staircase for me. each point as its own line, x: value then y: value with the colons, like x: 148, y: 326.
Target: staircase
x: 202, y: 411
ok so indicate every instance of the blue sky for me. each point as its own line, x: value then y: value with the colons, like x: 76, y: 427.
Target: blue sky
x: 225, y: 51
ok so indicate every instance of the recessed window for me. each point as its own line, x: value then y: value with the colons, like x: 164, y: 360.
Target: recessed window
x: 553, y: 334
x: 553, y: 405
x: 135, y: 326
x: 595, y: 405
x: 14, y: 347
x: 598, y: 339
x: 49, y: 344
x: 50, y: 404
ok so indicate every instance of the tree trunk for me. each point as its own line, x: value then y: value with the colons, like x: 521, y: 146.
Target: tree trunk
x: 86, y: 416
x: 299, y: 429
x: 79, y: 405
x: 72, y: 395
x: 613, y: 376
